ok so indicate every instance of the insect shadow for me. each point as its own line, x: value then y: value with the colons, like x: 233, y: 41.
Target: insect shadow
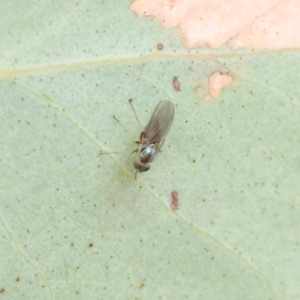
x: 152, y: 137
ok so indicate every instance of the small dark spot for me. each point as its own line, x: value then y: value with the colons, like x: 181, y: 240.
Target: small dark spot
x: 18, y: 279
x: 2, y: 290
x: 160, y: 46
x: 194, y: 160
x: 91, y: 245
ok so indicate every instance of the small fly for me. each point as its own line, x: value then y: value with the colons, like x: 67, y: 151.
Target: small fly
x: 153, y: 136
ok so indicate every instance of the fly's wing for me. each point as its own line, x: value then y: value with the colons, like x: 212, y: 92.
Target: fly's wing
x: 160, y: 123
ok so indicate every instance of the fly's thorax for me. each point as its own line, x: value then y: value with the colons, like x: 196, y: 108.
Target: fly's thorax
x: 147, y: 153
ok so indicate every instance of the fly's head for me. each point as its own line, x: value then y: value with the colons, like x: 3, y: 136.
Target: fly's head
x: 146, y: 155
x: 141, y: 167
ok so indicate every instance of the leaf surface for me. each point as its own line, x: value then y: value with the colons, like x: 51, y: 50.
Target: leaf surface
x: 77, y: 225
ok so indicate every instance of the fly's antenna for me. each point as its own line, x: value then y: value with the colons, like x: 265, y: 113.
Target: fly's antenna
x: 141, y: 127
x: 127, y: 131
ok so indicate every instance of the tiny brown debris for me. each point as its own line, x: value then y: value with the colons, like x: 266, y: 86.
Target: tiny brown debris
x: 174, y: 200
x: 176, y: 84
x: 160, y: 47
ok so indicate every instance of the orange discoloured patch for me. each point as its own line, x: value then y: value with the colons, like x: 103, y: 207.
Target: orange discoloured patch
x: 277, y: 29
x: 199, y: 89
x: 269, y: 24
x: 207, y: 98
x: 217, y: 81
x: 170, y: 3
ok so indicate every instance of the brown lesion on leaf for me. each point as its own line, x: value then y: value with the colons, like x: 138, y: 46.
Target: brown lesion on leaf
x: 142, y: 285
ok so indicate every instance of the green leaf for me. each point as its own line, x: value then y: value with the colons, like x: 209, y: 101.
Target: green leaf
x: 77, y: 225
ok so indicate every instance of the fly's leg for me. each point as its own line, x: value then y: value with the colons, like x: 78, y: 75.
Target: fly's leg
x: 124, y: 153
